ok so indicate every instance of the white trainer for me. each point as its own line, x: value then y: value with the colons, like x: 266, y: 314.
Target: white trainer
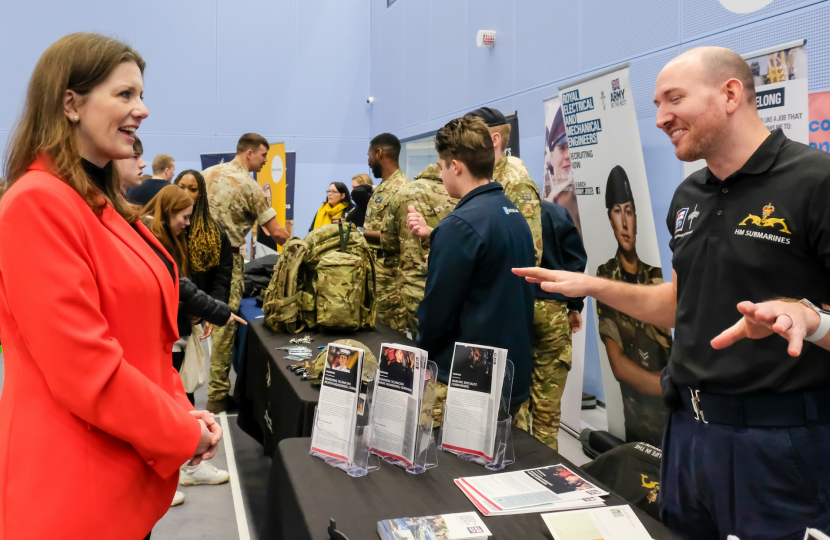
x: 178, y: 499
x: 202, y: 474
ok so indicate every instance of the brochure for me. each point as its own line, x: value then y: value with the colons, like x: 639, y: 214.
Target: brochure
x: 609, y: 523
x: 398, y: 401
x: 337, y: 409
x: 473, y: 399
x: 528, y: 489
x: 488, y: 509
x: 465, y: 526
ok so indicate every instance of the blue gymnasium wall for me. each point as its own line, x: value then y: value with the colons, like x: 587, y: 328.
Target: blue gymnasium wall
x: 292, y: 70
x: 426, y: 68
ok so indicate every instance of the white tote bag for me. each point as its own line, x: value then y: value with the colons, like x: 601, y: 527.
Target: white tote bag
x: 193, y: 367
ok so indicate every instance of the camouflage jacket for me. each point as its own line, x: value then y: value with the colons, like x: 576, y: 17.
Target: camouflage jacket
x: 236, y: 200
x: 524, y: 193
x: 379, y: 203
x: 429, y: 197
x: 624, y: 329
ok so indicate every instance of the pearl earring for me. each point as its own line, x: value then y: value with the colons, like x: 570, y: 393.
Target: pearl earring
x: 76, y: 118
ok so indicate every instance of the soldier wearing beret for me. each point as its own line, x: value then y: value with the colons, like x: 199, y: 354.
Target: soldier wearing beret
x: 559, y: 181
x: 636, y: 351
x: 518, y: 186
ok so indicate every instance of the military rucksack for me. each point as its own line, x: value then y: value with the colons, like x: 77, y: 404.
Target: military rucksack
x: 325, y: 280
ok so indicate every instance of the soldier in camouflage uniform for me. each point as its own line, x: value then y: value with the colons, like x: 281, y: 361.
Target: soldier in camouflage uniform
x: 236, y: 202
x: 429, y: 197
x: 518, y: 186
x: 383, y: 160
x: 637, y: 351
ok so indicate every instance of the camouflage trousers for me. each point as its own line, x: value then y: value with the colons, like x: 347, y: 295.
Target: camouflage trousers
x: 540, y: 416
x: 387, y: 295
x: 441, y: 400
x: 411, y: 296
x: 219, y: 383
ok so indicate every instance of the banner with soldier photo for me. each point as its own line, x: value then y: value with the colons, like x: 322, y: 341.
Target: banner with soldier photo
x: 558, y: 187
x: 606, y: 171
x: 781, y: 92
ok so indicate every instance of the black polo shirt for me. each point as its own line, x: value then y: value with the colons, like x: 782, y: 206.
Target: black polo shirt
x: 762, y: 233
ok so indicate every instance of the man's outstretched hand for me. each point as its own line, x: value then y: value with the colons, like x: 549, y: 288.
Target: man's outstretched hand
x: 570, y: 284
x: 791, y: 320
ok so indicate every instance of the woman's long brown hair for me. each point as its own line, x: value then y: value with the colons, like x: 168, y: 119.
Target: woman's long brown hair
x: 169, y: 201
x: 77, y: 62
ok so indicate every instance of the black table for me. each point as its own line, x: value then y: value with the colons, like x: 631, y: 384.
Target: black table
x: 304, y: 492
x: 275, y: 404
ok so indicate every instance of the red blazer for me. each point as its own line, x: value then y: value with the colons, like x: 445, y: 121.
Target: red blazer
x: 94, y: 421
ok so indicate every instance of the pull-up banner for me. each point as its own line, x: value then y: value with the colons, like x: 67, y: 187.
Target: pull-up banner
x: 609, y: 181
x: 781, y: 92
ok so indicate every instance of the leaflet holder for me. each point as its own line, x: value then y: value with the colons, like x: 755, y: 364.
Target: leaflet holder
x: 362, y: 461
x: 426, y: 454
x: 503, y: 442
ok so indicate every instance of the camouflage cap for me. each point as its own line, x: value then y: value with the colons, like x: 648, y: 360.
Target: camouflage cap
x: 316, y: 370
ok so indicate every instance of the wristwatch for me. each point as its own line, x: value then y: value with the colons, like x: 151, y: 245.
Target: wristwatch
x: 824, y: 325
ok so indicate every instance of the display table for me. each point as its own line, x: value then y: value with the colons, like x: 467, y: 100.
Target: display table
x: 275, y: 404
x: 304, y: 492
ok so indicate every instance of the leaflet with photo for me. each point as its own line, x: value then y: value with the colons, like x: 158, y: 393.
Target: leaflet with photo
x: 464, y: 526
x: 337, y: 409
x: 531, y: 487
x: 609, y: 523
x: 488, y: 509
x: 398, y: 401
x: 473, y: 398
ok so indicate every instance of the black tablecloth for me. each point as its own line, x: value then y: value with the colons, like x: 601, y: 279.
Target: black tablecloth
x: 266, y: 386
x: 304, y: 492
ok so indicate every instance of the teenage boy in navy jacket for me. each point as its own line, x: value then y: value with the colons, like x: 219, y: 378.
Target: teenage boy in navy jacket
x: 471, y: 295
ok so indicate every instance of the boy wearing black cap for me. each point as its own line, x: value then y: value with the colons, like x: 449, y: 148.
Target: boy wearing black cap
x: 636, y: 351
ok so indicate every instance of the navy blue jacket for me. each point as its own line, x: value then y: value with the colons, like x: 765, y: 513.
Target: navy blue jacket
x: 563, y: 250
x: 471, y: 294
x: 142, y: 194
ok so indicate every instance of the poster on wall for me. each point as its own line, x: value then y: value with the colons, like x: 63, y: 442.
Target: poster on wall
x: 277, y: 181
x: 820, y: 120
x: 781, y: 92
x: 609, y: 178
x: 558, y: 187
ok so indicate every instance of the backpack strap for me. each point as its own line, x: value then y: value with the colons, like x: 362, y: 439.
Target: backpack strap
x: 344, y: 238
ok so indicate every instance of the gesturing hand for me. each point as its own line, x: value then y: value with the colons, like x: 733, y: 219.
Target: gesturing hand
x: 237, y: 319
x: 570, y: 284
x: 416, y: 223
x: 791, y: 320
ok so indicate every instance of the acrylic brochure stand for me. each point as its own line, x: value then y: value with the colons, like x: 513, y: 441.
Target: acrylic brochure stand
x: 426, y: 455
x: 363, y: 462
x: 503, y: 442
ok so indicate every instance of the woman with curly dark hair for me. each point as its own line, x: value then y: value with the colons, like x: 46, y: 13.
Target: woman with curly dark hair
x: 209, y: 249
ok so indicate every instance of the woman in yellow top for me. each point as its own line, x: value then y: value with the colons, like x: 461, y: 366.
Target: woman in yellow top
x: 337, y: 206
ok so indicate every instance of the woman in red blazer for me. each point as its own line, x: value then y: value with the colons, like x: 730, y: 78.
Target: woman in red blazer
x: 94, y: 422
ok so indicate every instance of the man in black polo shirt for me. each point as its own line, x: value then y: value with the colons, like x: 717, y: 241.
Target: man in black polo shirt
x: 747, y: 445
x: 470, y: 295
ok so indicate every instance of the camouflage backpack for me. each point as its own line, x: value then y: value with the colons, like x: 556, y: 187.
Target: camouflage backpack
x: 325, y: 280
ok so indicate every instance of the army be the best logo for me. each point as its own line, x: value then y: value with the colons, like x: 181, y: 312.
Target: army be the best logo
x: 765, y: 220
